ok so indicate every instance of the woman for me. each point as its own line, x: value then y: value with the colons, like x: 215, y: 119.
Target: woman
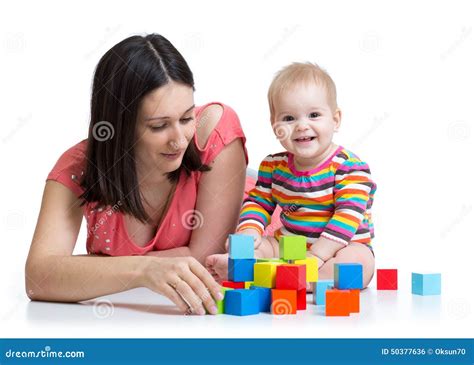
x: 159, y: 181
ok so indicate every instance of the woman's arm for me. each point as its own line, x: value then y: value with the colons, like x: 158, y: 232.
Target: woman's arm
x: 53, y: 274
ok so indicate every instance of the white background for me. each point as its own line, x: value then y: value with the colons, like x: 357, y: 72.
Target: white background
x: 405, y: 86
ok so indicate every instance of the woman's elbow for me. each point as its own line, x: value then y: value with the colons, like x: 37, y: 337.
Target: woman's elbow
x: 35, y: 284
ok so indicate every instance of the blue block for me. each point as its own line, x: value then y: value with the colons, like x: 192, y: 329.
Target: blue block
x: 348, y: 276
x: 240, y: 269
x: 425, y: 284
x: 241, y: 302
x: 241, y: 246
x: 321, y: 287
x: 265, y: 297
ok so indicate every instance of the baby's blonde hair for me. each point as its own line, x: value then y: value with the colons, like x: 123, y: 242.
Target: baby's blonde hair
x: 301, y: 73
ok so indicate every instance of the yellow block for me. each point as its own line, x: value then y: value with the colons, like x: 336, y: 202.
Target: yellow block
x: 311, y: 268
x: 248, y: 284
x: 264, y: 274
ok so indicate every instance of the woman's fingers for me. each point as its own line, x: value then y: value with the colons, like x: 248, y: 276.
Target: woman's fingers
x: 171, y: 293
x: 201, y: 291
x: 190, y: 296
x: 206, y: 279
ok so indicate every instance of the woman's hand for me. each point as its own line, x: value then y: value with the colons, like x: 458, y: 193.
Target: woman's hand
x: 183, y: 280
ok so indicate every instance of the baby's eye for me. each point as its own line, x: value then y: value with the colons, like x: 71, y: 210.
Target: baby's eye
x: 314, y: 115
x: 288, y: 118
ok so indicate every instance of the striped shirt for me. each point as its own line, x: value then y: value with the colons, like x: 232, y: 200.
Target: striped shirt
x: 333, y: 200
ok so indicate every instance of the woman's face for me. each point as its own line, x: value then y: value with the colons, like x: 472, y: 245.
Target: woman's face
x: 165, y: 126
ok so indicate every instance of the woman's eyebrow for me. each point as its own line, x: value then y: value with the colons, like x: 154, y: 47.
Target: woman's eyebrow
x: 160, y: 118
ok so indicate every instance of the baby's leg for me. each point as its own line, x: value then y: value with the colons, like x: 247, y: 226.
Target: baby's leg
x: 353, y: 252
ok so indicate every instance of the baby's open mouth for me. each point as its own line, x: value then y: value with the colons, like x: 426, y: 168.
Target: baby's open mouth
x: 304, y: 139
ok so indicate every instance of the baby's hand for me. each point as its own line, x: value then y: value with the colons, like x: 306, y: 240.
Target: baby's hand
x: 257, y: 239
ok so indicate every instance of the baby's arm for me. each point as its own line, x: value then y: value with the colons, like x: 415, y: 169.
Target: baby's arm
x: 353, y: 190
x: 257, y: 209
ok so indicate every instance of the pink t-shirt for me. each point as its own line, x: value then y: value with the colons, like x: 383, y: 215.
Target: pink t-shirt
x: 106, y: 230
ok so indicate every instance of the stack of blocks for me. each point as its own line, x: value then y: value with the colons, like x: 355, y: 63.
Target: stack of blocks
x: 343, y: 298
x: 278, y: 285
x: 267, y: 285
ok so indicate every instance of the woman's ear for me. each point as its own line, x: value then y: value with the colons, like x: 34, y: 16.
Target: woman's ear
x: 337, y: 119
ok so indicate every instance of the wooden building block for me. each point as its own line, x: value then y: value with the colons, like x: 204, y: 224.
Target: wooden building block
x: 284, y: 301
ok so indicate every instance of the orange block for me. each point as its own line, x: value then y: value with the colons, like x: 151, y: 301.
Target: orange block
x: 338, y: 302
x: 354, y: 300
x: 283, y: 301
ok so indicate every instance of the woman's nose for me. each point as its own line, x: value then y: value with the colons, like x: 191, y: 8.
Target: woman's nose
x: 178, y: 139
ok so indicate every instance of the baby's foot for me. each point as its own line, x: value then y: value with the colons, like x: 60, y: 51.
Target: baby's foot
x: 217, y: 266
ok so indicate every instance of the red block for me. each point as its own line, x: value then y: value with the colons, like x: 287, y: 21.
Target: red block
x: 338, y: 302
x: 291, y: 277
x: 233, y: 284
x: 301, y: 299
x: 387, y: 279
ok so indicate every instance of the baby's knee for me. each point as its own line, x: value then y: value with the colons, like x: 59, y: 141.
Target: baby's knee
x: 359, y: 253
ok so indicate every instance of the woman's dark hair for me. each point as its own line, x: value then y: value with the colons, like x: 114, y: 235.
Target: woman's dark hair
x: 124, y: 75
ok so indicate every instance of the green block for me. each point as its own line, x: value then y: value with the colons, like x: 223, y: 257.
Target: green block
x: 292, y: 247
x: 220, y: 303
x: 272, y: 260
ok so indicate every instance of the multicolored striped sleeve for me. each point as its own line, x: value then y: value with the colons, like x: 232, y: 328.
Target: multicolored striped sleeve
x: 259, y: 206
x: 352, y: 191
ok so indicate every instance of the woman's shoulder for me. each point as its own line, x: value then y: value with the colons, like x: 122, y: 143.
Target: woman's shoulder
x: 217, y: 126
x: 70, y: 167
x: 216, y: 117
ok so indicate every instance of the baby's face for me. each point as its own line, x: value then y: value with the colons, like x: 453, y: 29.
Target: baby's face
x: 304, y: 122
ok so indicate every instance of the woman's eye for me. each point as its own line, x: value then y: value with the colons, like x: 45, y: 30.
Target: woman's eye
x: 157, y: 127
x: 288, y: 118
x: 314, y: 115
x: 187, y: 120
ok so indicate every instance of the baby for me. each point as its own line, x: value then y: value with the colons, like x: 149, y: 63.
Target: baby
x: 325, y: 191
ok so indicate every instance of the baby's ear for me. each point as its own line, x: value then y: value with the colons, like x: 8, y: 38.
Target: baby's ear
x: 337, y: 119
